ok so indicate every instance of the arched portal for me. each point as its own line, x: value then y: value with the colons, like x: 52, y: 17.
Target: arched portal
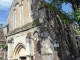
x: 19, y: 51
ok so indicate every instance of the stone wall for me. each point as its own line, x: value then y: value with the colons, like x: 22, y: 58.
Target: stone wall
x: 54, y: 31
x: 36, y: 13
x: 19, y: 14
x: 61, y: 34
x: 25, y: 12
x: 10, y: 19
x: 5, y: 30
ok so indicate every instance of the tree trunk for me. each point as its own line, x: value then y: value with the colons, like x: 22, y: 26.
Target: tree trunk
x: 75, y: 4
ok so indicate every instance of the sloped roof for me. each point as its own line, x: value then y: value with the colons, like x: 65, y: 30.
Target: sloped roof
x: 2, y: 37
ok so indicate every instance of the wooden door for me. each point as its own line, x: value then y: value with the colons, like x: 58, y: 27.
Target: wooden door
x: 23, y: 58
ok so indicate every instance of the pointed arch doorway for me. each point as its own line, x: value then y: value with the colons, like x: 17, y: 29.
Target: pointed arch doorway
x: 20, y: 52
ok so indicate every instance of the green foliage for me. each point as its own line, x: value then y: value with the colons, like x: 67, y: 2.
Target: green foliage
x: 77, y: 14
x: 5, y: 35
x: 72, y: 15
x: 4, y: 46
x: 51, y: 7
x: 76, y: 35
x: 65, y: 18
x: 2, y: 58
x: 78, y: 45
x: 77, y: 31
x: 58, y: 3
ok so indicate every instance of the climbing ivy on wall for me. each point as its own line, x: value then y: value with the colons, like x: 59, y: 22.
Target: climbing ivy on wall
x: 77, y: 31
x: 63, y: 16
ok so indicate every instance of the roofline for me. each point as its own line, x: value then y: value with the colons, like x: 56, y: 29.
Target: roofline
x: 2, y: 41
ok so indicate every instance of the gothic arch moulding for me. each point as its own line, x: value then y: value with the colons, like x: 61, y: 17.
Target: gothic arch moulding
x: 19, y: 49
x: 35, y: 32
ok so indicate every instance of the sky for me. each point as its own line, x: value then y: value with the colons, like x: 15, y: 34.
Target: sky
x: 5, y: 6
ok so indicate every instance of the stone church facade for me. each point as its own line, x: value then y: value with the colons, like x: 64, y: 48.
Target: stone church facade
x: 32, y: 29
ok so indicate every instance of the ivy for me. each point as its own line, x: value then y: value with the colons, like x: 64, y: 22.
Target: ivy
x: 75, y: 15
x: 65, y: 18
x: 36, y: 22
x: 2, y: 58
x: 78, y: 45
x: 51, y: 7
x: 77, y: 31
x: 4, y: 46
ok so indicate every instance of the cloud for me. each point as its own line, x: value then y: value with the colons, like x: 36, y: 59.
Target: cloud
x: 2, y: 22
x: 5, y: 4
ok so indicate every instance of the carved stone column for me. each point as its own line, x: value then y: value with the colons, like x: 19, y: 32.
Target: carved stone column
x: 28, y: 46
x: 5, y: 54
x: 9, y: 49
x: 27, y: 49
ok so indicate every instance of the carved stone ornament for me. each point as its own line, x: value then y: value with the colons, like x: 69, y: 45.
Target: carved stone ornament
x: 9, y: 41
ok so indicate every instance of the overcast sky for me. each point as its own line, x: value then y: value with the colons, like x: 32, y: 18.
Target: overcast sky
x: 5, y: 8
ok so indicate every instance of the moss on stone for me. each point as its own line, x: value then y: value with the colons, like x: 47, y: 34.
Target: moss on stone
x: 27, y: 26
x: 46, y: 29
x: 35, y: 22
x: 30, y: 25
x: 51, y: 7
x: 42, y: 6
x: 49, y: 30
x: 44, y: 22
x: 12, y: 38
x: 46, y: 54
x: 15, y: 30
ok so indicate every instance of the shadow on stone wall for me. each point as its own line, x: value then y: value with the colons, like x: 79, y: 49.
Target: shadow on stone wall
x: 39, y: 47
x: 67, y: 46
x: 59, y: 32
